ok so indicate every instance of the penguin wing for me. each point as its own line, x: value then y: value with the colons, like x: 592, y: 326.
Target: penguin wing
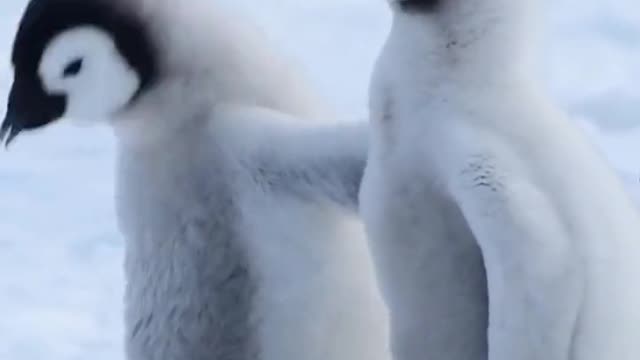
x: 321, y: 162
x: 534, y: 287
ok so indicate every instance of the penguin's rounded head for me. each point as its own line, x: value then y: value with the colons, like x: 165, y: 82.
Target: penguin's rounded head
x: 82, y: 59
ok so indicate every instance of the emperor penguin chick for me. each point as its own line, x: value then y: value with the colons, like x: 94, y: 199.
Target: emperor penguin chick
x: 242, y: 240
x: 458, y: 116
x: 429, y: 264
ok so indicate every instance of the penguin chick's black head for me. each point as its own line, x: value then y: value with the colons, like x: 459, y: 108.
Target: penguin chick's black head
x: 77, y: 58
x: 419, y: 6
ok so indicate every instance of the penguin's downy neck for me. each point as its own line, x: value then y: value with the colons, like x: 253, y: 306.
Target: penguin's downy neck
x: 209, y: 58
x: 466, y: 40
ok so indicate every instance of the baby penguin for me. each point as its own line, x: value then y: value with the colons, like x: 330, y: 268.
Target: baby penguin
x: 242, y: 240
x: 429, y: 264
x: 460, y: 125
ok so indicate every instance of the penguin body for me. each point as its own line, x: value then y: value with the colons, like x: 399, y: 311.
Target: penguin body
x: 236, y: 200
x: 456, y: 112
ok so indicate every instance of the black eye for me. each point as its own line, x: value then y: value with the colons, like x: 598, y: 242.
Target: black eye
x: 73, y: 68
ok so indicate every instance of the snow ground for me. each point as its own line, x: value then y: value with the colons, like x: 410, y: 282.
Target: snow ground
x: 60, y: 252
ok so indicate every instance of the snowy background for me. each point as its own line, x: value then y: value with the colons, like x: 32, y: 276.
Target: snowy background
x: 60, y: 253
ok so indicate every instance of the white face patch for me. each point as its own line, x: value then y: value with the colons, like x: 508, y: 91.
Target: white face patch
x: 84, y: 64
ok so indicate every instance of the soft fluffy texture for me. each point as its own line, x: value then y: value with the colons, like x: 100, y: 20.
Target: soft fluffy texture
x: 456, y: 107
x: 61, y: 252
x: 236, y: 201
x: 244, y: 252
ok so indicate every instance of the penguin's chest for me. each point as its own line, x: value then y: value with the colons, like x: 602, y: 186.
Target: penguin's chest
x: 401, y: 189
x: 417, y: 233
x: 412, y: 224
x: 189, y: 285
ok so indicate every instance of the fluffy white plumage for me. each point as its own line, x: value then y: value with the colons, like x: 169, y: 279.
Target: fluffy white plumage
x: 251, y: 189
x: 456, y: 115
x: 238, y: 209
x: 265, y: 201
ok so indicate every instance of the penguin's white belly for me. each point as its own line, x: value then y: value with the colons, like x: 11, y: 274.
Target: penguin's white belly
x: 318, y: 297
x: 429, y: 265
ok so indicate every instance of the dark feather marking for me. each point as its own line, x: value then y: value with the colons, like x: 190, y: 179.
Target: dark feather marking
x: 141, y: 324
x: 483, y: 173
x: 136, y: 328
x: 420, y: 6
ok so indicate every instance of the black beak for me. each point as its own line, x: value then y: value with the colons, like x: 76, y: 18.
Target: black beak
x: 10, y: 129
x: 29, y: 108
